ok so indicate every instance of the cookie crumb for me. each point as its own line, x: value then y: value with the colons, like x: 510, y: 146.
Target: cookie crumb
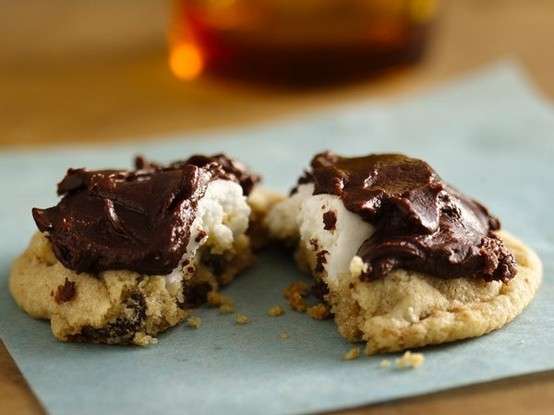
x: 242, y: 319
x: 216, y: 299
x: 194, y: 322
x: 143, y: 339
x: 385, y: 363
x: 276, y: 311
x: 319, y: 311
x: 295, y: 294
x: 283, y: 335
x: 226, y: 308
x: 357, y: 266
x: 352, y: 354
x: 410, y: 360
x: 225, y: 304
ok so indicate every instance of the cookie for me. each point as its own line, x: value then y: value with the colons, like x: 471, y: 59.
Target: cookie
x: 114, y: 307
x: 409, y: 309
x: 402, y: 258
x: 126, y: 254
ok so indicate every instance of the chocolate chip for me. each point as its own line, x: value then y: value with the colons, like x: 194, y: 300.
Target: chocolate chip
x: 121, y: 330
x: 201, y: 235
x: 321, y: 260
x: 329, y: 220
x: 65, y: 292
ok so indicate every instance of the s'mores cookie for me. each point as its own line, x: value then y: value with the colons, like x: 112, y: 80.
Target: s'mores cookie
x: 406, y: 259
x: 126, y: 253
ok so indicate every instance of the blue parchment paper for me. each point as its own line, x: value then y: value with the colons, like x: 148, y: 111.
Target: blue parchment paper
x: 489, y: 134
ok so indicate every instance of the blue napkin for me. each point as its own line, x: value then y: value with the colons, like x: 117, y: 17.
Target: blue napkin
x: 490, y: 135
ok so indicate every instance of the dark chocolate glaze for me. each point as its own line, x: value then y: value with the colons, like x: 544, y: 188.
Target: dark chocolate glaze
x: 421, y: 223
x: 138, y: 220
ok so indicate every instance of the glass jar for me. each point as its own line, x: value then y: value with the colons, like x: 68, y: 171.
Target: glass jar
x: 296, y: 41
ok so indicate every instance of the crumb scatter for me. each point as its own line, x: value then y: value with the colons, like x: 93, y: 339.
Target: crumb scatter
x: 143, y: 339
x: 242, y: 319
x: 319, y: 311
x: 226, y: 308
x: 352, y: 354
x: 224, y: 304
x: 275, y: 311
x: 217, y: 299
x: 410, y: 360
x: 295, y: 294
x: 194, y: 322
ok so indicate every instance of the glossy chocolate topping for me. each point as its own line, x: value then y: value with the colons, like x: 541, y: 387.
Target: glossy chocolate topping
x: 137, y: 220
x: 420, y: 222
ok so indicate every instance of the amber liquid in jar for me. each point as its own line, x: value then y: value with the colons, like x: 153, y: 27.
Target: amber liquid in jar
x: 302, y: 42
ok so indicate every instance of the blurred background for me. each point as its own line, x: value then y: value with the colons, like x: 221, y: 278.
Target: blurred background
x: 104, y: 71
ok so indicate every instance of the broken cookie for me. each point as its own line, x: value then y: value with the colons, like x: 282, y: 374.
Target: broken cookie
x: 407, y: 260
x: 126, y: 253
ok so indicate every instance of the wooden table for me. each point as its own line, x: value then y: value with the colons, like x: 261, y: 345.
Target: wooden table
x: 82, y: 72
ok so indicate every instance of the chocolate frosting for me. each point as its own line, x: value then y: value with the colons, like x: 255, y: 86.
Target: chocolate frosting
x: 138, y: 220
x: 421, y: 223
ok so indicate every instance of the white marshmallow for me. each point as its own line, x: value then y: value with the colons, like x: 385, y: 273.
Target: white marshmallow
x: 222, y: 214
x: 302, y: 216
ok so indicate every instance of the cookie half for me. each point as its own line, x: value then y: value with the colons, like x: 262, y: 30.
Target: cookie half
x: 404, y: 259
x: 408, y: 309
x: 127, y: 254
x: 120, y: 306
